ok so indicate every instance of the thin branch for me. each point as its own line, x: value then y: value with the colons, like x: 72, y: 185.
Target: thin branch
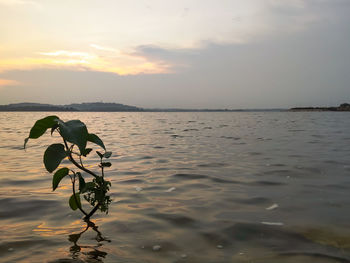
x: 81, y: 167
x: 81, y: 162
x: 76, y: 164
x: 87, y: 217
x: 75, y: 197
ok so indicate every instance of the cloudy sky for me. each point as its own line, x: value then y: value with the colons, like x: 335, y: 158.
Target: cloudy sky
x: 183, y: 53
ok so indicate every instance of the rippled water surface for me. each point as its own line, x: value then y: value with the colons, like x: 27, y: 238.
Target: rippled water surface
x: 186, y: 187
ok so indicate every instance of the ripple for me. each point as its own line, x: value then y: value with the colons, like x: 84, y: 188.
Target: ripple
x: 158, y: 147
x: 175, y: 219
x: 253, y: 200
x: 131, y: 181
x: 316, y: 256
x: 216, y: 239
x: 186, y: 130
x: 268, y: 183
x: 131, y: 173
x: 29, y: 209
x: 214, y: 165
x: 190, y: 176
x: 147, y: 157
x: 224, y: 181
x: 230, y: 138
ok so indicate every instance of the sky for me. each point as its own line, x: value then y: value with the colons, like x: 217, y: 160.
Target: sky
x: 182, y: 54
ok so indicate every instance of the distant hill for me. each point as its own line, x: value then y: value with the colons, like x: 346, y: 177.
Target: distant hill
x: 34, y: 107
x: 94, y: 106
x: 341, y: 107
x: 100, y: 106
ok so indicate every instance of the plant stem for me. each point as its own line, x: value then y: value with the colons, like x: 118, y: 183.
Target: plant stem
x: 75, y: 163
x: 81, y: 167
x: 87, y: 217
x: 75, y: 197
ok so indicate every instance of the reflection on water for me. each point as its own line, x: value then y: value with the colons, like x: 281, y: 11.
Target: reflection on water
x: 81, y: 252
x: 92, y: 252
x: 186, y: 187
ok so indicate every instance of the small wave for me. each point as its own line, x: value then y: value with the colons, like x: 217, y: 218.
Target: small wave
x: 224, y: 181
x: 316, y: 256
x: 214, y: 165
x: 147, y: 157
x: 253, y: 200
x: 186, y: 130
x: 190, y: 176
x: 230, y: 138
x: 268, y: 183
x: 131, y: 181
x: 175, y: 219
x: 158, y: 147
x: 130, y: 173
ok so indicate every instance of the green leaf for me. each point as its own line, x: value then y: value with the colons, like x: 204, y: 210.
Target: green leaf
x: 107, y: 154
x: 58, y: 176
x: 74, y: 132
x: 53, y: 156
x: 86, y: 151
x: 53, y: 128
x: 40, y: 127
x: 107, y: 164
x: 99, y: 154
x: 95, y: 139
x: 88, y: 187
x: 74, y: 201
x: 81, y: 182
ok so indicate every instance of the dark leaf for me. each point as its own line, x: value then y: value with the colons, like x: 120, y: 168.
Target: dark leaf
x: 40, y: 127
x: 107, y: 154
x: 74, y: 201
x: 74, y: 132
x: 58, y: 176
x: 53, y: 128
x: 53, y: 156
x: 88, y: 187
x: 81, y: 182
x: 95, y: 139
x: 99, y: 154
x: 86, y: 151
x: 107, y: 164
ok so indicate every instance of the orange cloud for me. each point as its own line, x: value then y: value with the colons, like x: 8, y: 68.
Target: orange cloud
x: 114, y: 62
x: 8, y: 82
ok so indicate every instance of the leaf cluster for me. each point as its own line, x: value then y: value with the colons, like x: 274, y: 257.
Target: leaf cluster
x: 75, y: 135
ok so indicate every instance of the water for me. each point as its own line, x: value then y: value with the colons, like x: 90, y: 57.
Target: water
x: 186, y: 187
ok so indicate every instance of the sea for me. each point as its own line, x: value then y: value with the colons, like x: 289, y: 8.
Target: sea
x: 186, y: 187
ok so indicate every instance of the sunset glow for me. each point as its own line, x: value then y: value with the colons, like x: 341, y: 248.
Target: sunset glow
x: 8, y: 82
x: 121, y: 64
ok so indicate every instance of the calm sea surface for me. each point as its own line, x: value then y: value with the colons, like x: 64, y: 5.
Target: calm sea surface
x: 186, y: 187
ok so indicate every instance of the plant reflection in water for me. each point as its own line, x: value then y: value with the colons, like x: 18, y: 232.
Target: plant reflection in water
x: 93, y: 252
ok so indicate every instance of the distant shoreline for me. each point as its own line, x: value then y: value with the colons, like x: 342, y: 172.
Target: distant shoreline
x: 109, y: 107
x: 117, y: 107
x: 342, y: 107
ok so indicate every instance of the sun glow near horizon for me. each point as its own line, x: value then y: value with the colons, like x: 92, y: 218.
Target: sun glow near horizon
x: 114, y: 62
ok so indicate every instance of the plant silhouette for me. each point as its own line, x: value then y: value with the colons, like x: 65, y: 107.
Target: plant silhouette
x: 75, y: 136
